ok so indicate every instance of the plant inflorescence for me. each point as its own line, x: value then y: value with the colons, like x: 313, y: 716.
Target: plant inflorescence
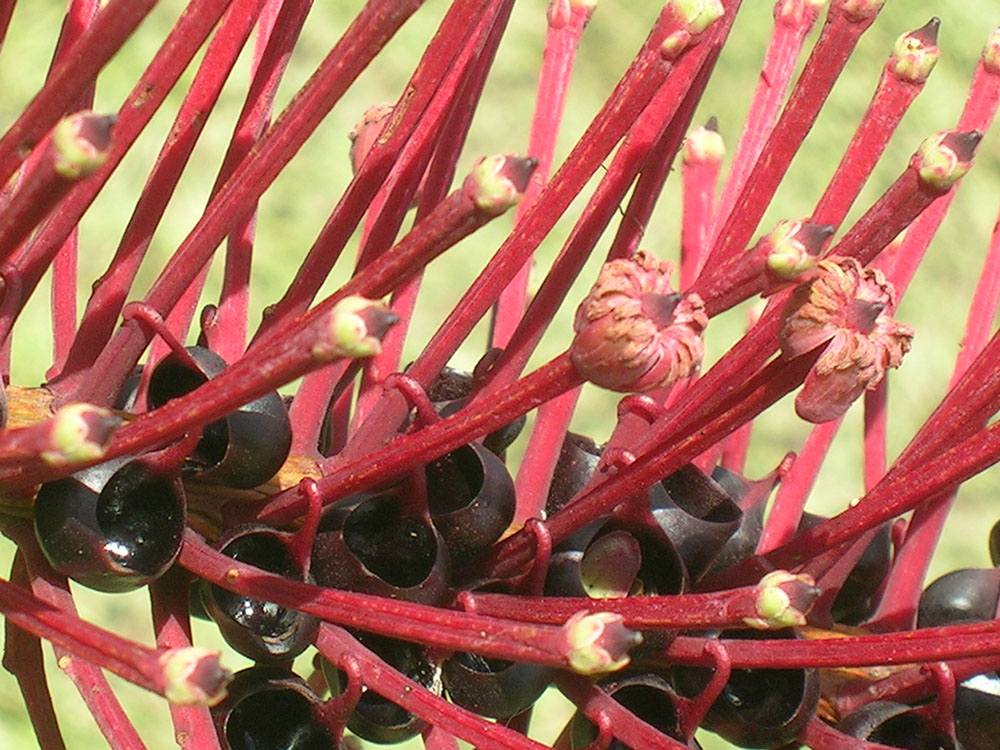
x: 415, y: 537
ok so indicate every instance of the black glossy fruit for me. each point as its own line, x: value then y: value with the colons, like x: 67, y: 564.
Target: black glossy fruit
x: 967, y: 594
x: 368, y: 544
x: 244, y: 449
x: 269, y: 708
x: 697, y: 515
x: 493, y: 687
x: 376, y: 718
x: 470, y: 496
x: 112, y: 527
x: 758, y: 708
x: 260, y: 630
x: 977, y: 712
x: 649, y: 696
x: 895, y: 725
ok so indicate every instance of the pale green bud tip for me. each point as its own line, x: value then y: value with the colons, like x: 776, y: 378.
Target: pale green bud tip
x: 783, y: 600
x: 498, y: 182
x: 82, y: 142
x: 862, y: 10
x: 80, y: 432
x: 194, y: 676
x: 915, y: 53
x: 991, y: 53
x: 703, y: 144
x: 697, y: 15
x: 597, y: 642
x: 583, y: 4
x: 944, y: 158
x: 355, y: 327
x: 795, y: 246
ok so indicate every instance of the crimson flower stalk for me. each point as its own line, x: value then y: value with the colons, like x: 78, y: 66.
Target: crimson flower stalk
x: 277, y: 417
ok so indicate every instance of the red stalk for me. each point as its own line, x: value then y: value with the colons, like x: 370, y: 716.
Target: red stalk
x: 838, y: 38
x: 113, y: 25
x: 566, y: 21
x: 371, y: 29
x: 337, y: 645
x: 792, y: 23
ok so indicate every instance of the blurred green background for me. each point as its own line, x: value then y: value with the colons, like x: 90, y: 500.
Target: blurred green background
x: 292, y: 212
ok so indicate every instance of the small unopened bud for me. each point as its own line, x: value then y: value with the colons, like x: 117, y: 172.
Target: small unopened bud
x: 368, y: 129
x: 943, y: 159
x: 80, y: 432
x: 194, y: 676
x: 783, y: 600
x: 794, y: 12
x: 697, y: 15
x: 795, y: 246
x: 862, y: 10
x: 82, y: 142
x: 915, y: 53
x: 991, y: 53
x: 355, y: 327
x: 598, y: 642
x: 704, y: 144
x: 846, y: 307
x: 632, y: 332
x: 497, y: 183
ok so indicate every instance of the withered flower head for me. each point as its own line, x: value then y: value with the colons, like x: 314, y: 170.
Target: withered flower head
x: 847, y: 306
x: 633, y: 332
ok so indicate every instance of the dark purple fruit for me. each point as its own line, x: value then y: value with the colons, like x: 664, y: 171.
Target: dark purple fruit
x: 649, y: 696
x: 744, y: 540
x: 894, y: 725
x: 977, y: 712
x: 368, y: 544
x: 967, y: 594
x: 112, y: 527
x: 269, y: 708
x: 470, y: 496
x: 244, y: 449
x: 697, y: 515
x: 376, y: 718
x: 493, y: 687
x: 995, y: 543
x: 260, y: 630
x: 578, y: 459
x: 449, y: 392
x: 765, y: 708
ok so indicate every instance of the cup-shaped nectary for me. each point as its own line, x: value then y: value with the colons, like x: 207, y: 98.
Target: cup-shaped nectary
x: 578, y: 459
x: 493, y: 687
x: 112, y: 527
x: 369, y: 544
x: 649, y: 696
x: 763, y: 708
x: 260, y: 630
x: 270, y: 707
x: 470, y: 496
x: 697, y: 514
x: 375, y: 717
x: 245, y: 448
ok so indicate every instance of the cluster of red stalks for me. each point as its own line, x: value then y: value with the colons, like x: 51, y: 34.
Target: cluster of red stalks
x: 52, y: 169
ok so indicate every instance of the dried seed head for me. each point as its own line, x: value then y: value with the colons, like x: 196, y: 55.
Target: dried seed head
x: 944, y: 158
x: 82, y: 142
x: 633, y: 333
x: 915, y: 53
x: 355, y: 327
x: 847, y: 307
x: 783, y: 600
x: 80, y: 432
x: 598, y: 642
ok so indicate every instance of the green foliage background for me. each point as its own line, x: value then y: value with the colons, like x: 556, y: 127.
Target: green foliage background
x: 292, y: 212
